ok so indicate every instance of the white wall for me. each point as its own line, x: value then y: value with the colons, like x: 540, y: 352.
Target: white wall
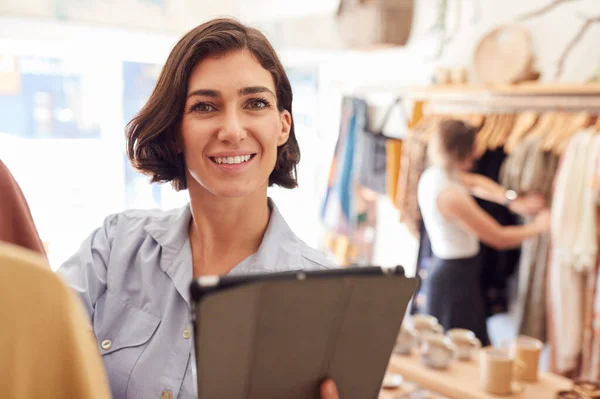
x: 172, y: 16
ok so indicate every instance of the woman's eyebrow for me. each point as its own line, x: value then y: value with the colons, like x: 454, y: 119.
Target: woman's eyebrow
x: 246, y: 91
x: 205, y: 93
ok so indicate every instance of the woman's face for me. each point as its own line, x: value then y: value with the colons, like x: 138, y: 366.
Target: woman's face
x: 231, y: 127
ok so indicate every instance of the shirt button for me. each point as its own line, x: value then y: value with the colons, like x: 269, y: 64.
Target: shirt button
x: 187, y: 333
x: 166, y: 394
x: 106, y: 344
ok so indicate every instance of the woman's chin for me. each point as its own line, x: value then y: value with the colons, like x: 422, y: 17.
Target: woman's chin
x: 233, y: 191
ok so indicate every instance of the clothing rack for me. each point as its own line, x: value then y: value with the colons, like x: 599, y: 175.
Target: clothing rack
x: 540, y: 97
x: 556, y: 158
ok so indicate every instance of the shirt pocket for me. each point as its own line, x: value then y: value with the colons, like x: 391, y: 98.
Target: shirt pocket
x: 122, y: 332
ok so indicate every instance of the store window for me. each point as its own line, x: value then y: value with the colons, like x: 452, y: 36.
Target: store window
x: 51, y: 138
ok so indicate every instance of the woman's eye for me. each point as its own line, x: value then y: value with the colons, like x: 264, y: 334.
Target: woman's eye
x: 203, y: 107
x: 258, y: 104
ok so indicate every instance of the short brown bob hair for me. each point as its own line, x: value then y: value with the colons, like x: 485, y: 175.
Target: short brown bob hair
x: 152, y: 133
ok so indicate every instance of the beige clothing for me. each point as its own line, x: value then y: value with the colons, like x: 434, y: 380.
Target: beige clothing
x: 48, y: 349
x: 530, y: 169
x: 412, y: 165
x: 574, y: 249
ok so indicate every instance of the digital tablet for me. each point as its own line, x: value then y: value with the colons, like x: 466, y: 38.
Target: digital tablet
x: 280, y: 335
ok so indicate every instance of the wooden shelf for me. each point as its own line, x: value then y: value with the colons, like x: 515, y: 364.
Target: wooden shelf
x: 523, y: 89
x: 461, y: 380
x: 539, y: 97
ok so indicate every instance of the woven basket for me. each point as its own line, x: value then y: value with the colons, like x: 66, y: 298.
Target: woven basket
x: 371, y: 24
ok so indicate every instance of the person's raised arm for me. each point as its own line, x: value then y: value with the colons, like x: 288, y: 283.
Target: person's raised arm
x: 487, y: 189
x: 462, y: 208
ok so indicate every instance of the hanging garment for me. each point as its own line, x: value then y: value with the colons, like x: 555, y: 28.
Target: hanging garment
x: 497, y: 266
x: 529, y: 169
x: 412, y: 165
x: 572, y: 208
x: 588, y: 371
x: 569, y: 266
x: 424, y: 257
x: 393, y: 157
x: 338, y: 212
x: 371, y: 153
x: 591, y: 336
x: 593, y: 368
x: 16, y: 224
x: 372, y: 162
x: 348, y: 211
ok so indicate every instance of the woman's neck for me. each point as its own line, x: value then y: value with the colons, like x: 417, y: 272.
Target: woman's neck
x: 449, y: 168
x: 225, y: 231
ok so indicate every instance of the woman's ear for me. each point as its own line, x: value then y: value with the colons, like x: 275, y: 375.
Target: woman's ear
x: 285, y: 128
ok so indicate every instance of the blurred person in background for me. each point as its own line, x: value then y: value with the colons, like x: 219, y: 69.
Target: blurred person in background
x: 456, y: 224
x: 16, y: 224
x: 48, y: 349
x: 219, y: 124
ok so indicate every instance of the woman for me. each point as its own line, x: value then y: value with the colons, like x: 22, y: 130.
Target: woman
x: 38, y: 308
x: 219, y: 124
x: 455, y: 224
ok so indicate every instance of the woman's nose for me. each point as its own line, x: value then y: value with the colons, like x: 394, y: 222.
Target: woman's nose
x: 232, y: 130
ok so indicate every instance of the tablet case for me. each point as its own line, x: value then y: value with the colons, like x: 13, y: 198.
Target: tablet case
x: 279, y: 338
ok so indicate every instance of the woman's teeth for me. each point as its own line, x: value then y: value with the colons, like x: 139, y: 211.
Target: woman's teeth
x: 233, y: 160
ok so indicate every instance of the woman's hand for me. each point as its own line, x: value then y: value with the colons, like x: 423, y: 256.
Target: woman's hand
x: 528, y: 205
x: 329, y: 390
x: 542, y: 221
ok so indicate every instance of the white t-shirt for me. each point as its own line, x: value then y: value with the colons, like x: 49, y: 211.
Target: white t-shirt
x: 449, y: 240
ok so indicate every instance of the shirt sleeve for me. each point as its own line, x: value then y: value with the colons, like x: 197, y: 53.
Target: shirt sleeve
x: 85, y: 271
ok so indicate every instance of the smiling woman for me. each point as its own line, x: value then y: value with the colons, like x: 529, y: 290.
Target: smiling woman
x: 219, y: 124
x: 232, y: 118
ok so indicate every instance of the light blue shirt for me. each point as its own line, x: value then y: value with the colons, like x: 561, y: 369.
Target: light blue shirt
x: 133, y: 275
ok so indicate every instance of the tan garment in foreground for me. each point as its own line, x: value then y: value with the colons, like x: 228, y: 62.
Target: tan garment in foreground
x: 47, y: 347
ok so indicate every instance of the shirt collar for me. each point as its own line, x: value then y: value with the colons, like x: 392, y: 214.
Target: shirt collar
x: 172, y: 234
x: 278, y: 244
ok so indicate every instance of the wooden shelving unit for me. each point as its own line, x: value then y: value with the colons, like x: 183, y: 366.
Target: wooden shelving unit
x: 507, y: 98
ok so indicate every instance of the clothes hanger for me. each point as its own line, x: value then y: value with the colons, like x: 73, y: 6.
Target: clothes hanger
x: 544, y: 123
x: 579, y: 121
x: 482, y: 136
x: 524, y: 123
x: 558, y: 128
x: 510, y: 123
x: 432, y: 127
x: 494, y: 132
x: 494, y: 137
x: 476, y: 120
